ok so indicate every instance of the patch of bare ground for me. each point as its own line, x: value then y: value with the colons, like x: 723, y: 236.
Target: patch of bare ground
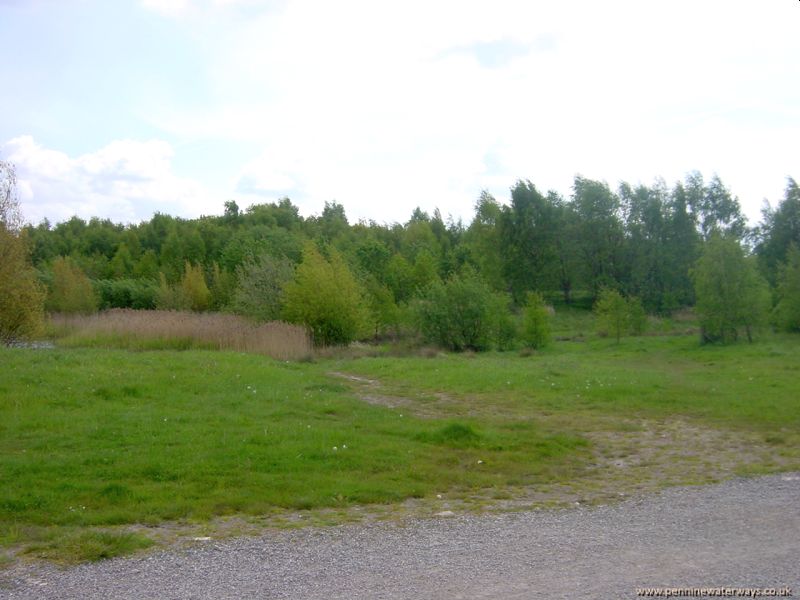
x: 629, y: 456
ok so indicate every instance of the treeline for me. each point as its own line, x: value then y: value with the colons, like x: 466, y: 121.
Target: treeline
x: 476, y: 285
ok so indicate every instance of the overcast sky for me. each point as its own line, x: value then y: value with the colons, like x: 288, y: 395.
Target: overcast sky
x: 122, y: 108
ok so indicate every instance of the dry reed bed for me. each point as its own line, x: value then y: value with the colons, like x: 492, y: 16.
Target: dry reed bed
x: 212, y: 330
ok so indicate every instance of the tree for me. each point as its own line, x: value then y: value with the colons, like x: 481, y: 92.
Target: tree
x: 122, y: 263
x: 10, y: 215
x: 459, y: 314
x: 730, y: 293
x: 261, y: 281
x: 384, y: 313
x: 325, y: 297
x: 600, y: 233
x: 21, y: 294
x: 70, y: 291
x: 527, y: 240
x: 779, y: 229
x: 482, y: 240
x: 222, y: 288
x: 194, y: 288
x: 720, y: 212
x: 536, y: 322
x: 611, y: 310
x: 787, y: 312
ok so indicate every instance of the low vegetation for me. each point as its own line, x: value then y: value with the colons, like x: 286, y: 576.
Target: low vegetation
x: 106, y: 438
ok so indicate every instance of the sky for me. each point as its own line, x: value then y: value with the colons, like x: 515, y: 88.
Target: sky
x: 122, y: 108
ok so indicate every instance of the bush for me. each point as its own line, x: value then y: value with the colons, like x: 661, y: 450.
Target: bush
x: 261, y: 281
x: 611, y: 310
x: 126, y: 293
x: 194, y: 288
x: 71, y: 291
x: 536, y: 322
x: 169, y: 297
x: 730, y: 293
x: 619, y: 316
x: 325, y: 297
x: 21, y: 295
x: 460, y: 314
x: 503, y: 325
x: 637, y: 317
x: 787, y: 312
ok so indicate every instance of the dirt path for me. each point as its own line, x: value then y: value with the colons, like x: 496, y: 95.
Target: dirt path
x: 744, y: 533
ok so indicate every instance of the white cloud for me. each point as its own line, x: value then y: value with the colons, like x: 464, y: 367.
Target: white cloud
x: 386, y: 106
x: 172, y: 8
x: 125, y: 181
x: 181, y: 8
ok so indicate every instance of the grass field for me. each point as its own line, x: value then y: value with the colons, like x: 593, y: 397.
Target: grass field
x: 95, y: 442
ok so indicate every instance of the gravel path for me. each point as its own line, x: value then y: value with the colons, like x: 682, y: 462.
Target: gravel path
x: 744, y: 532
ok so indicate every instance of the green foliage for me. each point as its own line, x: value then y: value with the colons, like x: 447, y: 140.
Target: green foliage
x: 194, y: 288
x: 222, y: 288
x: 612, y: 313
x: 126, y: 293
x: 122, y: 263
x: 502, y: 323
x: 168, y: 296
x: 325, y: 297
x: 70, y: 291
x: 787, y: 312
x: 536, y: 330
x: 147, y: 266
x: 641, y: 240
x: 780, y: 228
x: 458, y: 314
x: 637, y: 317
x: 384, y: 312
x: 731, y: 295
x: 260, y: 287
x: 400, y: 278
x: 21, y: 295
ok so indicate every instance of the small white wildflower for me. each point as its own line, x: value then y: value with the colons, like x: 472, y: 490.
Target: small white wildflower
x: 480, y: 462
x: 439, y: 496
x: 344, y: 446
x: 335, y: 448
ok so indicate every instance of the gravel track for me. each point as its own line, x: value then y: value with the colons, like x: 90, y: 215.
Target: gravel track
x: 744, y: 533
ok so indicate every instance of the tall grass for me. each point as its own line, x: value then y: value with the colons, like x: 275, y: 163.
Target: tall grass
x: 166, y: 329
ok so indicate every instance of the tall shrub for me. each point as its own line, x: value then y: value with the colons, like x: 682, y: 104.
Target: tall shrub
x: 787, y: 312
x: 70, y: 291
x: 260, y: 286
x: 194, y: 288
x: 458, y: 314
x: 536, y: 322
x: 325, y: 297
x: 21, y: 295
x: 612, y: 313
x: 731, y: 295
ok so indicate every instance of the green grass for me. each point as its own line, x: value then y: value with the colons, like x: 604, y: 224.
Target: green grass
x: 749, y: 386
x: 93, y: 438
x: 94, y: 442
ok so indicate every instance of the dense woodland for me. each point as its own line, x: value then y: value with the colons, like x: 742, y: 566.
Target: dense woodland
x: 460, y: 285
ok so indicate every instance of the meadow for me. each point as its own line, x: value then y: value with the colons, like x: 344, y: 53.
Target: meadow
x: 99, y: 448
